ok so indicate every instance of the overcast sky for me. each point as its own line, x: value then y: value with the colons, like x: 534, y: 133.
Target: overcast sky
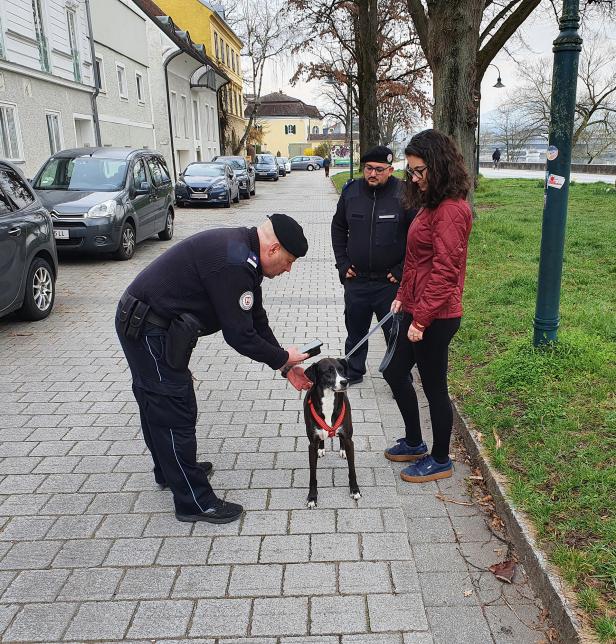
x: 538, y: 34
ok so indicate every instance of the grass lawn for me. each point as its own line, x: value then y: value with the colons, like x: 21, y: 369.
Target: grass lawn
x: 553, y: 410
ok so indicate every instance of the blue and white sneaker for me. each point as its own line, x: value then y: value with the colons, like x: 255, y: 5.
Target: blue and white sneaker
x: 427, y: 469
x: 402, y: 452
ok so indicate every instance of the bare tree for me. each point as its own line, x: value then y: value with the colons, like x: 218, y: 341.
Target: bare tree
x: 373, y: 43
x: 267, y: 34
x: 595, y: 109
x: 513, y: 130
x: 459, y: 39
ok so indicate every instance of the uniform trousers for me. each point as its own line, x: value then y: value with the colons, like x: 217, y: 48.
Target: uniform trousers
x: 431, y: 357
x: 168, y: 411
x: 364, y: 298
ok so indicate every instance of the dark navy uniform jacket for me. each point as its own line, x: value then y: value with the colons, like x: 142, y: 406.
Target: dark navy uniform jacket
x: 369, y: 228
x: 216, y: 276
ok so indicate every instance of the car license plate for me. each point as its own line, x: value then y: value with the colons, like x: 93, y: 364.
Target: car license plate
x: 199, y: 195
x: 60, y: 233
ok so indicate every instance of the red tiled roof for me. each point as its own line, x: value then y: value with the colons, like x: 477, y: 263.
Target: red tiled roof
x: 279, y: 104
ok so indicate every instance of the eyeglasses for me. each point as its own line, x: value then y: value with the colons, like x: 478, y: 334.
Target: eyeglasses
x: 416, y: 172
x: 375, y: 169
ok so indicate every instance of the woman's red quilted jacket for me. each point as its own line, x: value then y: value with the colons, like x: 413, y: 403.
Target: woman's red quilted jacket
x: 435, y: 262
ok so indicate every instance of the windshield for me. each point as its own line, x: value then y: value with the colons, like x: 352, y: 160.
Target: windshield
x: 203, y: 170
x: 82, y: 173
x: 236, y: 164
x: 266, y: 159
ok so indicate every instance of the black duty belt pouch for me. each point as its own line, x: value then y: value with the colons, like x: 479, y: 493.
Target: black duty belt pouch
x: 137, y: 320
x: 127, y: 308
x: 181, y: 340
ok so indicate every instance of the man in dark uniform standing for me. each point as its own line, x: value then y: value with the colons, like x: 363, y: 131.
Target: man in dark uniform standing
x: 206, y: 283
x: 369, y: 240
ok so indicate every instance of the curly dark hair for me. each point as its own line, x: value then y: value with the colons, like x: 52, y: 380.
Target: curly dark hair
x: 447, y: 176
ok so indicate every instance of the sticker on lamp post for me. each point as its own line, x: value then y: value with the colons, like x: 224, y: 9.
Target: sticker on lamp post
x: 551, y: 153
x: 556, y: 181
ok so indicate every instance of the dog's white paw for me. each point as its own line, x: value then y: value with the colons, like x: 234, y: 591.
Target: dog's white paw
x: 342, y: 454
x: 321, y: 453
x: 311, y: 505
x: 356, y: 495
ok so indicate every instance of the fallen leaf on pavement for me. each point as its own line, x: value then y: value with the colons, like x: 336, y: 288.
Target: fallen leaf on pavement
x: 503, y: 570
x: 468, y: 593
x: 440, y: 497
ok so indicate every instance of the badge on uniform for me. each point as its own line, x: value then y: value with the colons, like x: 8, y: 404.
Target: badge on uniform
x: 246, y: 300
x: 253, y: 260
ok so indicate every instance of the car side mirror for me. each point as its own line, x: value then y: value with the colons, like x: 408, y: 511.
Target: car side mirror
x: 143, y: 189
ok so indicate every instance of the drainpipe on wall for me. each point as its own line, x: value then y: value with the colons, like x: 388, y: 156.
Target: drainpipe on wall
x: 171, y: 134
x: 97, y: 129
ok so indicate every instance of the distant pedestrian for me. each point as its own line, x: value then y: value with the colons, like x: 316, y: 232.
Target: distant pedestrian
x: 326, y: 163
x: 496, y: 155
x: 430, y: 298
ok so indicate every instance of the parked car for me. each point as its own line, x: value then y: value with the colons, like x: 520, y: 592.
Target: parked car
x: 28, y: 260
x: 306, y: 163
x: 284, y: 161
x: 106, y: 199
x: 244, y: 172
x: 282, y: 171
x: 266, y: 167
x: 207, y: 183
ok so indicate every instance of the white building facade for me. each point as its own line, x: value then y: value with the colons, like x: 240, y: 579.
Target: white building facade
x: 46, y: 80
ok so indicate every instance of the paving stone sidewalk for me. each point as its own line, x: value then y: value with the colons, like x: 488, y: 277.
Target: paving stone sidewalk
x: 90, y: 549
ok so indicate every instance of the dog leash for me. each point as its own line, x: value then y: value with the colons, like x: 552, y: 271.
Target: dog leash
x: 376, y: 327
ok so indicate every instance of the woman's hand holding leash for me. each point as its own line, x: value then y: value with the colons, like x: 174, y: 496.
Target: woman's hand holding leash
x: 396, y: 305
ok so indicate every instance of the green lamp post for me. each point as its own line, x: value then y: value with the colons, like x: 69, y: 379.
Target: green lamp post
x: 567, y: 47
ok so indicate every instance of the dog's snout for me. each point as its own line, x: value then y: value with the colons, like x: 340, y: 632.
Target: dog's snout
x: 344, y: 382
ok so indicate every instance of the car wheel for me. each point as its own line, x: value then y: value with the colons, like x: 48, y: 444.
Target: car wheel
x: 128, y: 241
x: 237, y: 199
x: 227, y: 203
x: 167, y: 232
x: 276, y: 178
x: 40, y: 291
x: 310, y: 167
x: 246, y: 195
x: 254, y: 190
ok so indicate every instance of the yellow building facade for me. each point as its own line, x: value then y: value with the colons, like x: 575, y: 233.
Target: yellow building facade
x: 223, y: 46
x: 286, y: 123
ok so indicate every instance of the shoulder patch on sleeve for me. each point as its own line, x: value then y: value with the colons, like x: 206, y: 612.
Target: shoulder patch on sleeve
x: 247, y: 299
x: 350, y: 182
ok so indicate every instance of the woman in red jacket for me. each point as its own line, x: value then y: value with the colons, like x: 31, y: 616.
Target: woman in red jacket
x: 430, y: 298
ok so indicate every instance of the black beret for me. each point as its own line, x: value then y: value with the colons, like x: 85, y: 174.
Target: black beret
x: 379, y: 154
x: 290, y: 234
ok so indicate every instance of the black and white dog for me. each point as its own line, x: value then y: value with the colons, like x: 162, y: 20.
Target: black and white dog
x: 327, y: 413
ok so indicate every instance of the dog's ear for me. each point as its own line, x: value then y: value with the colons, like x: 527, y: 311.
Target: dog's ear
x: 311, y: 372
x: 345, y: 365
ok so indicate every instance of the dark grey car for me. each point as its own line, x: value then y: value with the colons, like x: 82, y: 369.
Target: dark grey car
x: 244, y: 172
x: 106, y: 199
x: 28, y: 261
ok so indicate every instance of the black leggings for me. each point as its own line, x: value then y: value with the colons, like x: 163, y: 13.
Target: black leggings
x: 430, y: 355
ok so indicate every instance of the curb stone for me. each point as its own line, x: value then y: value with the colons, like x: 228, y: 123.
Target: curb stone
x: 545, y: 581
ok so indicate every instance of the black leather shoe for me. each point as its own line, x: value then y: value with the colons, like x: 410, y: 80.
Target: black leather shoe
x: 220, y: 512
x: 206, y: 466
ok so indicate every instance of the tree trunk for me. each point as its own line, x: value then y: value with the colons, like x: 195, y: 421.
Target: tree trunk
x: 453, y: 37
x: 366, y: 34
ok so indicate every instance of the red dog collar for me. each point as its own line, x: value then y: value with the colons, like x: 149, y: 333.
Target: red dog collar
x: 331, y: 431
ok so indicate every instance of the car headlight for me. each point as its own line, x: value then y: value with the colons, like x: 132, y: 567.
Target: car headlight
x: 180, y: 184
x: 105, y: 209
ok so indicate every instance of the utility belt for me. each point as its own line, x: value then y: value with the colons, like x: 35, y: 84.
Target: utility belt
x: 182, y: 331
x: 372, y: 275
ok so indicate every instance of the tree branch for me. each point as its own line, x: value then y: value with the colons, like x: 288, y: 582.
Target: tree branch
x: 420, y: 20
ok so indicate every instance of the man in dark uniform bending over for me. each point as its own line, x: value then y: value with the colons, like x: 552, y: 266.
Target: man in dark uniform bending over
x: 207, y: 283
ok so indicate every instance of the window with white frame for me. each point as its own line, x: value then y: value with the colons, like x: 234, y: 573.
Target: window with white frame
x: 53, y: 131
x: 197, y: 124
x: 174, y: 113
x: 122, y: 84
x: 41, y: 38
x: 213, y: 122
x: 2, y: 47
x: 289, y: 129
x: 216, y: 44
x: 99, y: 71
x: 139, y: 84
x: 206, y: 112
x: 74, y: 43
x: 184, y: 104
x: 10, y: 146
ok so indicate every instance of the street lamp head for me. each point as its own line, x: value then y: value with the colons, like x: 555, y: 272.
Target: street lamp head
x: 498, y: 83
